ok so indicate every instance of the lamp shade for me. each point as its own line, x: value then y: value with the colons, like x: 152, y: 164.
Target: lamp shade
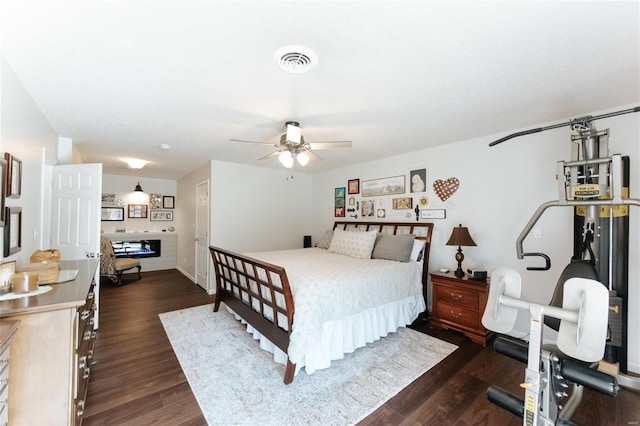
x: 460, y: 237
x: 302, y: 158
x: 286, y: 159
x: 138, y: 188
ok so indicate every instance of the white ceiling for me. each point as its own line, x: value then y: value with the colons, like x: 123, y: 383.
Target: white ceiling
x: 122, y: 77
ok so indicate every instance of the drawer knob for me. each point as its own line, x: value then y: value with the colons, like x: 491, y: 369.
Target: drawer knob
x: 456, y: 296
x: 456, y: 316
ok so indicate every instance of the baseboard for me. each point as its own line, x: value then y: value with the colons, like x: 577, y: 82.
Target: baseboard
x: 186, y: 274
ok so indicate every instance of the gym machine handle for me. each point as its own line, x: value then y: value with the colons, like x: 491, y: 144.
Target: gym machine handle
x: 547, y: 262
x: 594, y: 379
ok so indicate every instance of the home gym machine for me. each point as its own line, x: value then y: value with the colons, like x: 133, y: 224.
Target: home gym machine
x: 596, y: 186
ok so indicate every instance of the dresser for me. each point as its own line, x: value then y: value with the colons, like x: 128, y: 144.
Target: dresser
x: 458, y: 304
x: 52, y: 350
x: 8, y: 329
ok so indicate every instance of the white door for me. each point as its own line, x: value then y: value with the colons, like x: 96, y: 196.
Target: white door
x: 75, y: 219
x: 203, y: 258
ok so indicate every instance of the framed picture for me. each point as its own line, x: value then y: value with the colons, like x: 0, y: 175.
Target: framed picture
x: 168, y: 202
x: 433, y: 214
x: 338, y: 212
x: 14, y: 176
x: 161, y: 215
x: 418, y: 180
x: 112, y: 214
x: 155, y: 201
x: 138, y: 211
x: 12, y: 230
x: 384, y: 186
x: 3, y: 184
x: 367, y: 208
x: 339, y: 192
x: 402, y: 203
x: 354, y: 186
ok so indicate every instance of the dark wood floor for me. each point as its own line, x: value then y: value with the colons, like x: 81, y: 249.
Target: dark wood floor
x: 137, y: 379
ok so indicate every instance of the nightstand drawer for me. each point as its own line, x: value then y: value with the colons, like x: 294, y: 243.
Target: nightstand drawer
x: 457, y: 315
x: 457, y: 296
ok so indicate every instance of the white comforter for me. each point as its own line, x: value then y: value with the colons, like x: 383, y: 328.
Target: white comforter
x: 328, y: 286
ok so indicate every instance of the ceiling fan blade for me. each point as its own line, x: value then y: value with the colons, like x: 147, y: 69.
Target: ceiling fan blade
x: 273, y: 154
x: 254, y: 142
x: 314, y: 155
x: 329, y: 144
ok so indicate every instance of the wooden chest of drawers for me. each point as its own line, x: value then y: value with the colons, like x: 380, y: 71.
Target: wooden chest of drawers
x: 458, y: 304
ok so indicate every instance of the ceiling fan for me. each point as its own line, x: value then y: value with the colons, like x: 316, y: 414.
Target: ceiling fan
x: 293, y: 146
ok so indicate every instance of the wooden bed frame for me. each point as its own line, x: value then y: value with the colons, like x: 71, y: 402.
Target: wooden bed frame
x: 237, y: 277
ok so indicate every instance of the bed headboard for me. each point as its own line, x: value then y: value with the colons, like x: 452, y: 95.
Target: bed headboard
x: 422, y: 231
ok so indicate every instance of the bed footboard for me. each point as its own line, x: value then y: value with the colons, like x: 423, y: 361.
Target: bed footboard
x: 260, y: 293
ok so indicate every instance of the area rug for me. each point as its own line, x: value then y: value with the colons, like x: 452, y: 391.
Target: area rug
x: 236, y: 382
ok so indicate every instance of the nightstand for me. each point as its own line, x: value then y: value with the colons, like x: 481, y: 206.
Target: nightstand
x: 458, y: 304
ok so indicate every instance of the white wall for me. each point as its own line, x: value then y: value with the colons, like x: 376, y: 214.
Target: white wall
x: 500, y: 189
x: 123, y: 186
x: 25, y: 132
x: 257, y: 208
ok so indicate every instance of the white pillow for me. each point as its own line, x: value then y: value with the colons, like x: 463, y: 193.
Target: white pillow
x: 353, y: 243
x: 416, y: 252
x: 326, y: 240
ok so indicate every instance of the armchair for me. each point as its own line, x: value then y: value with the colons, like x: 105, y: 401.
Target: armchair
x: 112, y: 266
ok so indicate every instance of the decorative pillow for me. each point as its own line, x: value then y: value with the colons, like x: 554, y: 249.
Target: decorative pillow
x: 393, y: 247
x: 352, y: 243
x: 325, y: 241
x: 417, y: 251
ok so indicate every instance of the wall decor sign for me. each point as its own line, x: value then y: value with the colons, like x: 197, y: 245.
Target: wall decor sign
x: 384, y: 186
x: 168, y: 202
x: 155, y: 201
x: 138, y: 211
x: 354, y: 186
x: 14, y: 176
x: 12, y: 230
x: 446, y: 188
x: 433, y: 214
x: 418, y: 180
x: 161, y: 216
x: 108, y: 199
x: 109, y: 214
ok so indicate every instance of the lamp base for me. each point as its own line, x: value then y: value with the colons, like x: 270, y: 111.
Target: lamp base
x: 459, y: 258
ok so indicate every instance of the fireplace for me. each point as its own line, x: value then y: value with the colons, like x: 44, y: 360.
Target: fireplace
x: 137, y: 248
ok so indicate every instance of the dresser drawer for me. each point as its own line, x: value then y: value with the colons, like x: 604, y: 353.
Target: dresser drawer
x: 457, y: 297
x: 457, y: 315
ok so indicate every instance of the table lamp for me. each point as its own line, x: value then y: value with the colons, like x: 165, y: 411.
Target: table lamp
x: 460, y: 237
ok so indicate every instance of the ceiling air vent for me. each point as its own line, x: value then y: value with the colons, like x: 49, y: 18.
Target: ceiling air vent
x: 296, y: 59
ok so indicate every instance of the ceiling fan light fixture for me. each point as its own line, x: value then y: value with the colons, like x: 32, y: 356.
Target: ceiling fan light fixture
x: 294, y: 132
x: 286, y: 159
x: 303, y: 159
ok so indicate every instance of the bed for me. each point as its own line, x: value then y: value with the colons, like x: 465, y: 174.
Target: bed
x: 310, y: 306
